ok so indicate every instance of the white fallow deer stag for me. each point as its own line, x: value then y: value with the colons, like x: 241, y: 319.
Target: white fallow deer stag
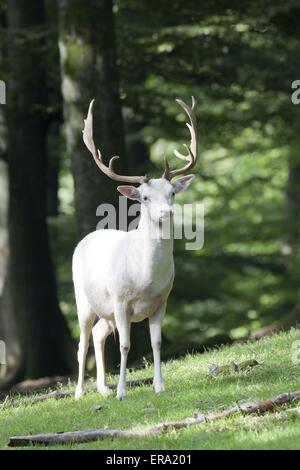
x: 124, y: 277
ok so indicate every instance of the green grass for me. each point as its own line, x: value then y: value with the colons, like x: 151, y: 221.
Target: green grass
x: 188, y: 388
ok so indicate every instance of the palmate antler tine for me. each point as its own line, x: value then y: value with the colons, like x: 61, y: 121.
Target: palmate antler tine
x: 191, y: 157
x: 90, y: 144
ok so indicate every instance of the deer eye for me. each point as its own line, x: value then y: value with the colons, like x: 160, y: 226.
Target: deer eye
x: 173, y: 193
x: 145, y: 198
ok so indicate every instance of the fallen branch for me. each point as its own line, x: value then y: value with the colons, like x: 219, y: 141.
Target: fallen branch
x: 42, y: 384
x: 264, y: 406
x: 57, y: 394
x: 247, y: 407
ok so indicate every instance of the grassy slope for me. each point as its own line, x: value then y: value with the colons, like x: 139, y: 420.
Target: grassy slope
x: 188, y: 388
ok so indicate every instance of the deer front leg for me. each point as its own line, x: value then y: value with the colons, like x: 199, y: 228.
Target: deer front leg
x: 123, y: 326
x: 155, y: 333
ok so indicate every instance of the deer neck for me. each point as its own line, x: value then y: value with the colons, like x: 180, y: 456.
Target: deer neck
x: 155, y: 248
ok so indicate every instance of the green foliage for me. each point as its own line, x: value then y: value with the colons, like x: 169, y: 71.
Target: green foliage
x: 189, y: 388
x: 239, y: 61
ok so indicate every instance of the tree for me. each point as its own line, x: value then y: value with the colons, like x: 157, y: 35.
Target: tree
x: 89, y: 70
x: 55, y: 107
x: 45, y: 344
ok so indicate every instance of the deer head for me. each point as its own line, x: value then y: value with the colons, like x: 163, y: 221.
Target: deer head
x: 155, y: 195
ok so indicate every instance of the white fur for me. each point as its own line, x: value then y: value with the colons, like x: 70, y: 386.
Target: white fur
x: 124, y: 277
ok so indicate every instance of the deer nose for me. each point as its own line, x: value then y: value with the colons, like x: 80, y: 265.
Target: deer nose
x: 166, y: 212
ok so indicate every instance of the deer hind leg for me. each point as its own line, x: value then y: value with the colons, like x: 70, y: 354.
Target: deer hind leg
x: 86, y: 319
x: 101, y: 331
x: 85, y: 333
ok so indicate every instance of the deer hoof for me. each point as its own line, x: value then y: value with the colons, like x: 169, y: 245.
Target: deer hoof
x: 78, y: 393
x: 121, y: 393
x: 159, y: 388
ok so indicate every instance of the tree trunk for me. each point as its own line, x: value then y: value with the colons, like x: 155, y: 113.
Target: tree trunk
x: 4, y: 320
x: 7, y: 322
x: 44, y: 338
x: 55, y: 108
x: 53, y: 169
x: 89, y: 70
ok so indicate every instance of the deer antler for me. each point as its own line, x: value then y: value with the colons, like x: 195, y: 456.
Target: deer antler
x: 90, y: 144
x: 192, y: 149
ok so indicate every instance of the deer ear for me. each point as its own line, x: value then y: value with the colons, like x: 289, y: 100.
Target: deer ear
x: 130, y: 191
x: 183, y: 183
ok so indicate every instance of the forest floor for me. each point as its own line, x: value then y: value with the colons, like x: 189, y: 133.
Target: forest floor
x: 190, y: 387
